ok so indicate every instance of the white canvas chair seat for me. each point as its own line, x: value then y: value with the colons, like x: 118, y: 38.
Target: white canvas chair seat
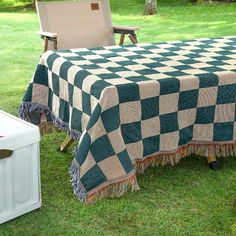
x: 85, y: 23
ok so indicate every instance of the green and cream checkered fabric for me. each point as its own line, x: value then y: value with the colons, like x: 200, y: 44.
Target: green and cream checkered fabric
x: 134, y: 102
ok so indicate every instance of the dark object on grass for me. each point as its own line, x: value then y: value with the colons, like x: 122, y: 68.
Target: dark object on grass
x: 214, y: 165
x: 234, y: 205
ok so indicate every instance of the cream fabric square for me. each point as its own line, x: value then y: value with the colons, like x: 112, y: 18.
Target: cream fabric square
x: 109, y: 64
x: 92, y: 57
x: 72, y: 71
x: 116, y: 141
x: 77, y: 98
x: 207, y: 96
x: 203, y: 132
x: 88, y: 82
x: 157, y: 76
x: 200, y: 65
x: 109, y: 98
x: 224, y: 112
x: 55, y: 105
x: 194, y: 71
x: 40, y: 94
x: 227, y: 67
x: 49, y: 79
x: 117, y: 59
x: 150, y: 127
x: 136, y: 67
x: 130, y: 112
x: 97, y: 130
x: 168, y: 103
x: 118, y: 81
x: 84, y: 120
x: 149, y: 89
x: 126, y: 53
x: 228, y: 77
x: 144, y: 61
x: 186, y: 117
x: 87, y: 165
x: 57, y: 65
x: 135, y: 150
x: 172, y: 63
x: 126, y: 74
x: 178, y: 58
x: 63, y: 91
x: 112, y: 168
x: 188, y: 82
x: 165, y: 69
x: 169, y: 141
x: 93, y: 101
x: 98, y: 71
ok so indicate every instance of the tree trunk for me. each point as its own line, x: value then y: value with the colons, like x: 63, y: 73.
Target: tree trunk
x: 150, y: 7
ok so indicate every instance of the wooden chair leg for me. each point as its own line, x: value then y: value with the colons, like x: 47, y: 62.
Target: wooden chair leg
x: 45, y: 44
x: 132, y: 38
x: 213, y: 163
x: 65, y: 144
x: 122, y: 38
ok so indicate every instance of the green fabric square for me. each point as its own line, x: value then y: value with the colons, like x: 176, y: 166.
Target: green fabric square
x: 28, y: 94
x: 50, y: 97
x: 64, y: 111
x: 51, y: 59
x: 70, y: 93
x: 185, y: 135
x: 207, y: 80
x: 101, y: 148
x: 93, y: 178
x: 86, y: 104
x: 169, y: 122
x: 64, y: 70
x: 223, y: 131
x: 150, y: 107
x: 226, y: 94
x: 128, y: 92
x: 55, y: 84
x: 131, y: 133
x: 111, y: 118
x: 84, y: 146
x: 80, y: 77
x: 125, y: 161
x: 76, y: 117
x: 188, y: 99
x: 151, y: 145
x: 94, y: 117
x: 205, y: 115
x: 41, y: 75
x: 169, y: 85
x: 98, y: 87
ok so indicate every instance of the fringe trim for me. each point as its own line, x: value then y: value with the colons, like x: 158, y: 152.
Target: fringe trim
x: 109, y: 190
x: 206, y: 150
x: 118, y: 188
x: 28, y: 108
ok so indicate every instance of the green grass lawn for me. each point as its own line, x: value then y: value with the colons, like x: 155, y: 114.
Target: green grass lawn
x: 187, y: 199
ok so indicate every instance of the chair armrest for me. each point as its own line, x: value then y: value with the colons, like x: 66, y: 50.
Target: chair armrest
x: 48, y: 35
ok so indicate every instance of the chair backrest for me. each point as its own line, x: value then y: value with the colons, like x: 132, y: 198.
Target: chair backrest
x: 85, y: 23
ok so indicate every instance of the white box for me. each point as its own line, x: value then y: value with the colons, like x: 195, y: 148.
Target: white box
x: 20, y: 190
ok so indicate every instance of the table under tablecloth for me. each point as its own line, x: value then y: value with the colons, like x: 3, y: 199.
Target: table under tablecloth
x: 136, y: 106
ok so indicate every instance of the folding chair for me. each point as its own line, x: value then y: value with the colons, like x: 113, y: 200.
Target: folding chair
x: 86, y: 23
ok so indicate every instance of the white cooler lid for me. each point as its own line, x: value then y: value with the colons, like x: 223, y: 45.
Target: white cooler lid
x: 16, y: 133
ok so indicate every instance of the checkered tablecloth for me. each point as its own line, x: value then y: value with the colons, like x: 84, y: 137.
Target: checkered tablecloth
x: 136, y: 106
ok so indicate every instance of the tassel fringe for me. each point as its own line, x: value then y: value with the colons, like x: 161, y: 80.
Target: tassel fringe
x: 28, y: 109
